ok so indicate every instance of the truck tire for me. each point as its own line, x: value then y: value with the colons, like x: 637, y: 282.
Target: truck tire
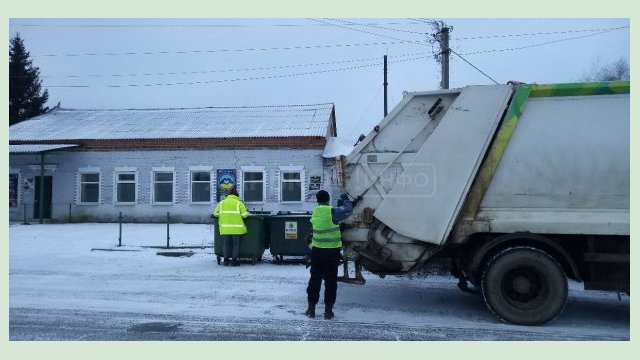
x: 524, y: 286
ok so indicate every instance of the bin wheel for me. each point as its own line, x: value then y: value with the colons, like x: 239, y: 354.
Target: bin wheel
x: 218, y: 258
x: 253, y: 261
x: 276, y: 259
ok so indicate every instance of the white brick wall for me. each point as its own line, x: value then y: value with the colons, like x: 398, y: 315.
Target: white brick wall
x: 68, y: 163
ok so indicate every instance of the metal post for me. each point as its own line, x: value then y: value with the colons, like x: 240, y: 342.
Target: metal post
x: 120, y: 229
x: 168, y: 229
x: 385, y: 85
x: 69, y: 213
x: 41, y: 192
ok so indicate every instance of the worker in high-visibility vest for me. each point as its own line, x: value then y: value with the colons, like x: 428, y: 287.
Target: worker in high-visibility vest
x: 230, y: 213
x: 326, y: 243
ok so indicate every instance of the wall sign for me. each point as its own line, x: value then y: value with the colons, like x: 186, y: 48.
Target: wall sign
x: 315, y: 181
x: 291, y: 230
x: 226, y: 179
x: 13, y: 190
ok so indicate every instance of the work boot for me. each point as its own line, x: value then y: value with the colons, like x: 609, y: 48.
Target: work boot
x: 311, y: 311
x: 328, y: 313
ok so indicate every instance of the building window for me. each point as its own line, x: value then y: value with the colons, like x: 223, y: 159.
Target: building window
x: 89, y: 188
x: 291, y: 186
x: 253, y: 186
x: 200, y: 186
x: 13, y: 190
x: 163, y: 187
x: 126, y: 187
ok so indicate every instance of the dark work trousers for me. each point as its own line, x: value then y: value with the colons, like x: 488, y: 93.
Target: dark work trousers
x: 324, y: 265
x: 231, y: 246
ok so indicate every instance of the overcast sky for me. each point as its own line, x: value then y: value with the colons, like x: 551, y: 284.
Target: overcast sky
x: 151, y: 63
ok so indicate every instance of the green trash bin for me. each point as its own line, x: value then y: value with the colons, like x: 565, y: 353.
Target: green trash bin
x: 253, y: 243
x: 289, y: 235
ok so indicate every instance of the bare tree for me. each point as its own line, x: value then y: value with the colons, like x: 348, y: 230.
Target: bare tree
x: 617, y: 70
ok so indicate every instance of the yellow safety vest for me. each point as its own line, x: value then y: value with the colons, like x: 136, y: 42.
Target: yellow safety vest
x: 230, y: 213
x: 326, y: 234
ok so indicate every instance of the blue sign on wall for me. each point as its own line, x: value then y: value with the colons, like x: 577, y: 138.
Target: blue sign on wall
x: 226, y: 179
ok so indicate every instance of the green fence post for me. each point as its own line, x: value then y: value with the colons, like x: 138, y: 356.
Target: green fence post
x: 25, y: 214
x: 167, y: 229
x: 120, y: 229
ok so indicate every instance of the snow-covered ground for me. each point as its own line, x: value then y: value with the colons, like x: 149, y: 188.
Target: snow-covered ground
x: 58, y: 276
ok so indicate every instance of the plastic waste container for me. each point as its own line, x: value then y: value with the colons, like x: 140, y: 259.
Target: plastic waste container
x: 253, y: 243
x: 289, y: 235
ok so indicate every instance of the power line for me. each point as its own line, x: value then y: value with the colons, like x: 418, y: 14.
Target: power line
x: 424, y: 21
x: 399, y: 41
x: 306, y: 47
x: 378, y: 27
x: 367, y: 32
x: 239, y: 79
x: 475, y: 67
x: 537, y: 33
x: 223, y: 70
x: 364, y: 114
x: 541, y: 44
x: 225, y: 26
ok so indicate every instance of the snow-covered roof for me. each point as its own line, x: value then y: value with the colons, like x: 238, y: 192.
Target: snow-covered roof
x: 32, y: 148
x: 182, y: 123
x: 337, y: 146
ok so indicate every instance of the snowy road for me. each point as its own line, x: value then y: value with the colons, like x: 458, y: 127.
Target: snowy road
x: 61, y: 290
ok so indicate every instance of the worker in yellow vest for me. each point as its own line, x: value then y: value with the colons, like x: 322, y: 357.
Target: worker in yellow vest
x: 326, y: 244
x: 230, y: 213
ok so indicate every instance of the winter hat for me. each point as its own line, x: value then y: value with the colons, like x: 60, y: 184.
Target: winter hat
x: 322, y: 196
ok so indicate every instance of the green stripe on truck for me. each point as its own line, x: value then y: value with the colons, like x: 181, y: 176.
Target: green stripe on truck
x: 580, y: 89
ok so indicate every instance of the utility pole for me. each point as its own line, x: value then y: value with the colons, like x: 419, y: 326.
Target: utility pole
x: 385, y: 85
x: 444, y: 55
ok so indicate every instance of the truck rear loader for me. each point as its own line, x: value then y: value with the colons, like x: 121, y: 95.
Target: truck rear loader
x: 521, y: 186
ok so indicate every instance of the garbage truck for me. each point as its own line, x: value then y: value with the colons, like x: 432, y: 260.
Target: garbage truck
x: 520, y: 186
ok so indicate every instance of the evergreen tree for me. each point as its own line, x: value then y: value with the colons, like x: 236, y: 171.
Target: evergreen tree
x: 26, y: 99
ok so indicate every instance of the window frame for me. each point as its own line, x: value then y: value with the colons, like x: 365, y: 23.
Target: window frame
x: 207, y: 170
x: 89, y: 171
x: 155, y: 171
x: 117, y: 182
x: 292, y: 169
x: 254, y: 169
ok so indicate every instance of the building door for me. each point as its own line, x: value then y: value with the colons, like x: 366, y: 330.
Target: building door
x: 47, y: 198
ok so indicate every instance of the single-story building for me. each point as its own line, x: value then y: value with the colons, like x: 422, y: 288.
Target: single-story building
x: 92, y: 165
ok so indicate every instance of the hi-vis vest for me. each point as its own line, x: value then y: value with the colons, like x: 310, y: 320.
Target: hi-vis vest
x: 230, y: 213
x: 326, y: 234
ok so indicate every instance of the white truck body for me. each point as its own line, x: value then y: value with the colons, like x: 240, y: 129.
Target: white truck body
x: 474, y: 172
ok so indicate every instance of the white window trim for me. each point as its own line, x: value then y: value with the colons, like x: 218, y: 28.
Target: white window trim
x: 19, y: 190
x: 125, y: 170
x: 298, y: 169
x: 261, y: 169
x: 153, y: 183
x: 88, y: 170
x: 208, y: 169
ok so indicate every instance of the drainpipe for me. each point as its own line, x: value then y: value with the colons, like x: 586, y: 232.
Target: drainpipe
x: 41, y: 191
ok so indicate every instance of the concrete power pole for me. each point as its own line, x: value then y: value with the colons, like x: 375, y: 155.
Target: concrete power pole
x: 444, y: 56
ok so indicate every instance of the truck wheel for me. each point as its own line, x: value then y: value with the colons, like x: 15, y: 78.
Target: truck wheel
x: 525, y: 286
